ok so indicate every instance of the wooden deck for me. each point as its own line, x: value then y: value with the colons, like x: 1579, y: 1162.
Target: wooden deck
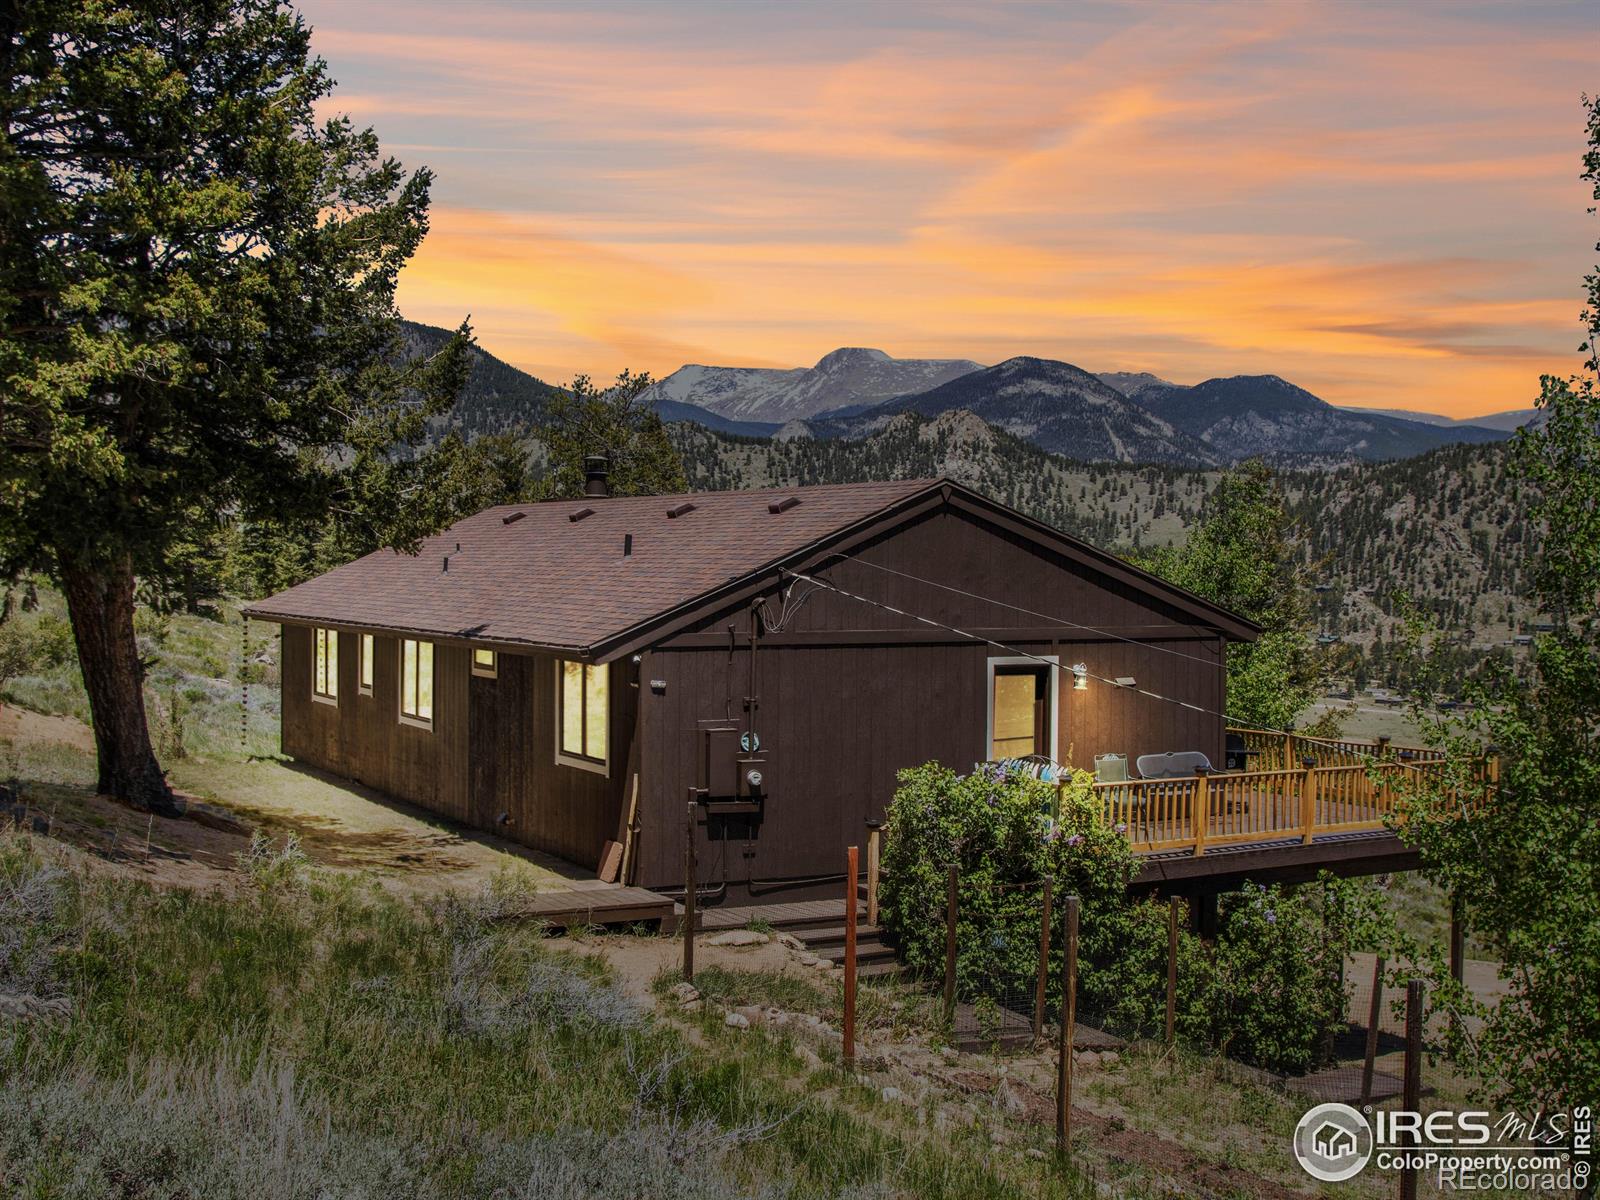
x: 602, y: 904
x: 1307, y: 803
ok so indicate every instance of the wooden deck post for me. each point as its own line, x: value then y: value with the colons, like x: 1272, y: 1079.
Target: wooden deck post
x: 1412, y: 1096
x: 1202, y: 809
x: 1383, y: 746
x: 851, y: 869
x: 1172, y: 970
x: 1308, y: 802
x: 1069, y: 1020
x: 1042, y: 978
x: 1374, y: 1015
x: 952, y: 889
x: 1288, y: 752
x: 874, y: 840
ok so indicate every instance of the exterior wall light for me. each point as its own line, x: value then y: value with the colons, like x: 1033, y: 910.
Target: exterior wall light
x: 1080, y: 677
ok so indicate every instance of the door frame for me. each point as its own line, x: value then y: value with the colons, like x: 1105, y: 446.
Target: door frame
x: 1052, y: 694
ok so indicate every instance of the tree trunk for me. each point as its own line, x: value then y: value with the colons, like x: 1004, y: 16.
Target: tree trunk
x: 100, y: 602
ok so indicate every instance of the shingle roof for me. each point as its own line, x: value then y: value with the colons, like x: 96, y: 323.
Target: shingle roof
x: 544, y: 579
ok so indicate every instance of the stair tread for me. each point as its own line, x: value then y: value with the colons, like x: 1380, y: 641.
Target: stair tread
x: 830, y: 933
x: 863, y: 954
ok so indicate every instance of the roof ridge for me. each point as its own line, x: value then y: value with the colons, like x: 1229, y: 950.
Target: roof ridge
x: 920, y: 482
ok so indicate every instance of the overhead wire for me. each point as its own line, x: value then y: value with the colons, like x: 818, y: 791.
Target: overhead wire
x: 1020, y: 653
x: 1105, y: 633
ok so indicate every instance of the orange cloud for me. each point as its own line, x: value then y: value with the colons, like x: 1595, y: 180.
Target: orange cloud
x: 1376, y: 203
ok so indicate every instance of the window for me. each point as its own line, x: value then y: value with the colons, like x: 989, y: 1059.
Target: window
x: 416, y: 683
x: 1021, y: 708
x: 483, y: 663
x: 582, y: 704
x: 325, y: 667
x: 365, y: 686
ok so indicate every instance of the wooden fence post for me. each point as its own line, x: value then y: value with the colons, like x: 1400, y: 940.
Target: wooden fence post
x: 1308, y: 801
x: 1412, y: 1097
x: 1042, y: 979
x: 1069, y: 1019
x: 951, y: 892
x: 1172, y: 970
x: 1374, y: 1015
x: 874, y: 845
x: 1202, y: 809
x: 851, y: 868
x: 689, y: 889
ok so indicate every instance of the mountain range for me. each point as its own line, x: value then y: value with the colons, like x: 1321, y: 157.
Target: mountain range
x: 849, y: 377
x: 1055, y: 405
x: 1112, y: 417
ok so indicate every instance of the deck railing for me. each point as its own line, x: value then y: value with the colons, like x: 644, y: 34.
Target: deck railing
x: 1287, y: 751
x: 1360, y: 789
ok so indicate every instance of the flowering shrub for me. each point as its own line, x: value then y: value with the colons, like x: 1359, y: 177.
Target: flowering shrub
x: 1006, y: 833
x: 1269, y: 991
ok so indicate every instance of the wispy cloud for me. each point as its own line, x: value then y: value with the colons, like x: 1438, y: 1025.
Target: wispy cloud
x: 1378, y: 203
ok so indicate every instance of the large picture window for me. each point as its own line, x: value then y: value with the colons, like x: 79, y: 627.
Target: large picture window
x: 583, y: 703
x: 416, y: 682
x: 325, y: 665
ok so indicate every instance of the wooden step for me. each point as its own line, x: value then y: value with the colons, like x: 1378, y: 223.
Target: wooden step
x: 800, y: 914
x: 870, y: 952
x: 884, y: 969
x: 831, y: 935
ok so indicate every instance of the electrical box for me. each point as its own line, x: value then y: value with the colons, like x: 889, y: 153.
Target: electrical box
x: 752, y: 778
x: 719, y: 763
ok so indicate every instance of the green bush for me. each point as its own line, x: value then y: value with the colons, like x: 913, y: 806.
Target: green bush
x: 1269, y: 991
x: 1005, y: 833
x: 1275, y: 990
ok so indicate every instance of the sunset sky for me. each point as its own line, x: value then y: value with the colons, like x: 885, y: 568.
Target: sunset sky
x: 1380, y: 203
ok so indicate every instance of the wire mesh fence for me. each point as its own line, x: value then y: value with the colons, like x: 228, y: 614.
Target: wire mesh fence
x: 997, y: 961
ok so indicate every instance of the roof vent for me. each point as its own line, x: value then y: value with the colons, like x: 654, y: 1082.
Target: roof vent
x: 580, y: 514
x: 784, y: 505
x: 627, y: 545
x: 680, y: 510
x: 512, y: 518
x: 596, y: 475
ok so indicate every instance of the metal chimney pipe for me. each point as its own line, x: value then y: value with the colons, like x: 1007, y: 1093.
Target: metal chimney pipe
x: 596, y: 468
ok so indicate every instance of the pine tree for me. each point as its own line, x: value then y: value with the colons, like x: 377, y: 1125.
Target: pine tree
x: 196, y: 315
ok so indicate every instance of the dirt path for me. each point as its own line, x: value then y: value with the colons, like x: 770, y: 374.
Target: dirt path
x: 341, y: 826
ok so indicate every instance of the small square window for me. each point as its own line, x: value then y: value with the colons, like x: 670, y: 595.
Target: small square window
x: 365, y: 686
x: 485, y: 663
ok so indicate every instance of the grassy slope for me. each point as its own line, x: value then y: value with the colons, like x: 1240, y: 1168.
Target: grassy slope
x: 308, y: 1037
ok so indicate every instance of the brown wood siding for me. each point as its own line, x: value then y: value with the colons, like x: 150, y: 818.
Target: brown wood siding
x: 491, y: 749
x: 839, y: 717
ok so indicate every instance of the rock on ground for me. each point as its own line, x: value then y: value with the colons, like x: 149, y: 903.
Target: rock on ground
x: 739, y: 937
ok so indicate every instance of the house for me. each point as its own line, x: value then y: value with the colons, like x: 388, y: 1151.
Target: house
x: 575, y: 672
x: 1334, y: 1141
